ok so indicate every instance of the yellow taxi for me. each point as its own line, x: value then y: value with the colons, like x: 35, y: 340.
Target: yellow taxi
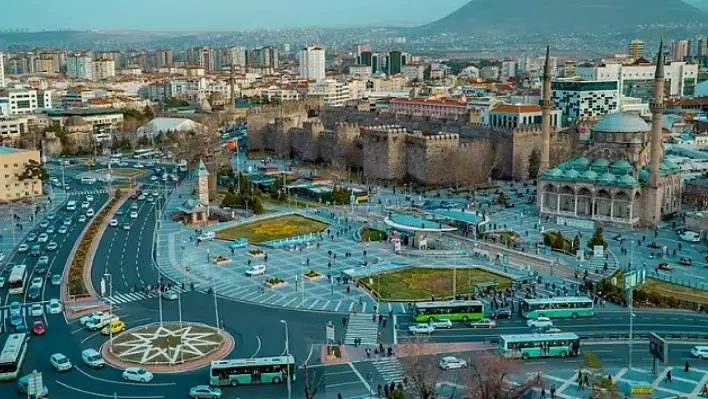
x: 115, y: 327
x: 90, y: 163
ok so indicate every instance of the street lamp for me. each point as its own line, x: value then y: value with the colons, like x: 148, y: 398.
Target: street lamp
x: 287, y: 353
x: 108, y: 277
x: 213, y: 290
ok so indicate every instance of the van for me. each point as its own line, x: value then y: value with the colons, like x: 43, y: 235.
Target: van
x: 92, y: 358
x: 690, y: 236
x: 207, y: 236
x: 71, y: 206
x: 88, y: 180
x: 101, y: 321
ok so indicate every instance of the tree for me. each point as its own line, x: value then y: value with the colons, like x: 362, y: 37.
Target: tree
x: 148, y: 112
x: 598, y: 238
x: 534, y: 163
x: 422, y: 372
x: 487, y: 378
x: 173, y: 102
x: 601, y: 386
x: 312, y: 384
x: 34, y: 170
x: 257, y: 205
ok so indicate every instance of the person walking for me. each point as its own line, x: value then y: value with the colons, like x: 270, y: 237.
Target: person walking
x: 668, y: 376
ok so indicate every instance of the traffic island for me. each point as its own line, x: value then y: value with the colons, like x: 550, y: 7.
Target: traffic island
x: 168, y: 347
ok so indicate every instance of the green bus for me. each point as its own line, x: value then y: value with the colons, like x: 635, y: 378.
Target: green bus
x: 525, y: 346
x: 569, y: 306
x: 451, y: 310
x: 12, y: 356
x: 263, y: 370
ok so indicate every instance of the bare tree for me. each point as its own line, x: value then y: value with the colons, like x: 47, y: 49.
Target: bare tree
x: 313, y: 384
x: 487, y: 377
x: 421, y: 370
x: 601, y: 385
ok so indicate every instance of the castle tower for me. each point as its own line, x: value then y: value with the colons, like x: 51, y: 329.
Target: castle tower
x: 203, y: 183
x: 546, y: 106
x: 652, y: 212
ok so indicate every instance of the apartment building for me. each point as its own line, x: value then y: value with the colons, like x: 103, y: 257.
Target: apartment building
x: 12, y: 165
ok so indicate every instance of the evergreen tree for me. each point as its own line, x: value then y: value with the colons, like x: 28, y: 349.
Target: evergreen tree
x: 534, y: 163
x: 598, y: 238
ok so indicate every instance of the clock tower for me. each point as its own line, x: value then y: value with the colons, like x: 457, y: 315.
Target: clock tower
x: 203, y: 183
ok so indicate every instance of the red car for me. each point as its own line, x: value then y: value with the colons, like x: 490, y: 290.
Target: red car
x: 38, y: 328
x: 133, y: 195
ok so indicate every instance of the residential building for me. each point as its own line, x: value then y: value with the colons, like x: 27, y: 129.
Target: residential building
x: 679, y: 50
x: 79, y: 66
x: 312, y: 63
x: 508, y: 69
x: 201, y: 56
x: 364, y: 58
x: 636, y: 49
x: 2, y: 70
x: 12, y: 165
x: 511, y: 116
x: 20, y: 100
x: 12, y: 127
x: 579, y: 99
x: 414, y: 71
x: 103, y: 69
x: 162, y: 58
x: 534, y: 65
x: 77, y: 97
x: 490, y: 73
x: 361, y: 48
x: 334, y: 93
x: 281, y: 94
x: 434, y: 108
x: 362, y: 71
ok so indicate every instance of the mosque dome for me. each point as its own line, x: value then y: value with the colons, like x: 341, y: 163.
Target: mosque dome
x: 554, y: 173
x: 581, y: 163
x: 621, y: 122
x: 589, y: 175
x: 621, y: 165
x: 607, y: 178
x: 571, y: 174
x: 75, y: 121
x: 600, y: 165
x: 643, y: 174
x: 566, y: 165
x: 627, y: 180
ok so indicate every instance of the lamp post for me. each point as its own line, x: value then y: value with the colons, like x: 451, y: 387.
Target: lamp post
x: 287, y: 353
x: 213, y: 290
x: 108, y: 277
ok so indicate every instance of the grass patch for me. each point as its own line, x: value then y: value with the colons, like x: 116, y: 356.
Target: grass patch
x: 372, y: 235
x: 128, y: 172
x: 273, y: 229
x: 678, y: 291
x: 419, y: 283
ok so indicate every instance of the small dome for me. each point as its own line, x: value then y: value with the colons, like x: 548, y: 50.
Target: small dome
x: 627, y: 180
x: 589, y: 175
x: 75, y: 121
x: 566, y: 165
x: 636, y: 141
x: 643, y: 174
x: 571, y: 174
x: 667, y: 165
x: 621, y: 165
x: 607, y: 178
x: 553, y: 173
x: 581, y: 163
x: 621, y: 122
x: 601, y: 163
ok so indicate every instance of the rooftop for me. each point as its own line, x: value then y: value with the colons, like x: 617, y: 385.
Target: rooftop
x: 517, y: 108
x: 621, y: 122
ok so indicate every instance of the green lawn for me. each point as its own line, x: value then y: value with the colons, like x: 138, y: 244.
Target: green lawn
x: 128, y: 172
x: 372, y: 235
x: 419, y: 283
x: 273, y: 229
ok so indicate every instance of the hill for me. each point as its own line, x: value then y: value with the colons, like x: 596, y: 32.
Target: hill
x: 547, y: 17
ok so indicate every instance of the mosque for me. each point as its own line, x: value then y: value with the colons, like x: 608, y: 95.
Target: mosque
x: 620, y: 177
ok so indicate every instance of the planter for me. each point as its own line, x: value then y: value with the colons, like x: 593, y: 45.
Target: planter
x: 276, y: 285
x: 313, y: 277
x: 222, y: 260
x: 257, y: 255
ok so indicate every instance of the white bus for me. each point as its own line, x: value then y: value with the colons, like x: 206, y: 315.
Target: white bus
x: 12, y: 356
x: 71, y: 206
x: 18, y: 280
x: 146, y: 153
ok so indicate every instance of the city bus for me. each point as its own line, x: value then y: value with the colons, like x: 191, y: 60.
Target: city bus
x: 569, y: 306
x: 18, y: 280
x: 451, y: 310
x: 525, y: 346
x: 12, y: 356
x: 146, y: 153
x: 261, y: 370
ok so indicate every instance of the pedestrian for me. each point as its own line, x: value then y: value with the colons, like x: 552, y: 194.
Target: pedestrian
x: 543, y: 393
x: 344, y: 322
x: 368, y: 353
x: 553, y: 392
x: 586, y: 381
x: 687, y: 367
x: 386, y: 391
x: 668, y: 376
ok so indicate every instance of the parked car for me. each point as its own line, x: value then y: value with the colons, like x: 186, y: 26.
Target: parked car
x: 483, y: 323
x: 60, y: 362
x: 686, y: 261
x: 257, y: 270
x: 539, y: 322
x: 137, y: 374
x: 452, y: 363
x: 421, y: 329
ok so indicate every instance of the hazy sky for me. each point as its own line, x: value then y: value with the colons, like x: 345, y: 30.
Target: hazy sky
x: 219, y: 14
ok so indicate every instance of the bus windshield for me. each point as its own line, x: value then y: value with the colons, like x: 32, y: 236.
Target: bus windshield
x: 18, y: 277
x: 12, y: 356
x: 451, y: 310
x: 252, y: 371
x: 571, y: 306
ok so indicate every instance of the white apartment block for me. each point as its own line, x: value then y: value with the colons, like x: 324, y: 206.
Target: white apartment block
x: 508, y: 69
x: 79, y: 66
x: 361, y: 71
x: 275, y: 92
x: 312, y: 63
x: 2, y: 70
x: 413, y: 71
x: 103, y: 69
x: 334, y: 93
x: 12, y: 127
x: 534, y: 65
x: 637, y: 79
x: 20, y: 101
x: 579, y: 99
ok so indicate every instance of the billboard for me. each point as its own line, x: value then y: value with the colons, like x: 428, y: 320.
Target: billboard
x: 658, y: 348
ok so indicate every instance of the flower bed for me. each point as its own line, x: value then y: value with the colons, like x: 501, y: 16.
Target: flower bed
x: 256, y: 253
x: 313, y: 275
x: 76, y: 267
x: 275, y: 282
x: 220, y: 260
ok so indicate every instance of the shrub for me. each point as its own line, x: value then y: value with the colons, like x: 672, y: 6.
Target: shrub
x: 656, y: 298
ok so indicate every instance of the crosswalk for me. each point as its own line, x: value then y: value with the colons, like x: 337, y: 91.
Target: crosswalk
x: 361, y: 326
x: 89, y: 192
x: 390, y: 369
x: 117, y: 299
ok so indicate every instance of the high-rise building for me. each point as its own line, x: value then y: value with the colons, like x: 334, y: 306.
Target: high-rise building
x: 201, y: 56
x: 162, y: 58
x: 103, y: 69
x: 362, y: 48
x: 636, y: 48
x: 702, y: 46
x: 364, y: 58
x: 679, y: 50
x: 2, y: 70
x: 395, y: 62
x: 78, y: 66
x: 312, y: 63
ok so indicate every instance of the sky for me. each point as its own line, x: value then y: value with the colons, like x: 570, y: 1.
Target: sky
x: 155, y: 15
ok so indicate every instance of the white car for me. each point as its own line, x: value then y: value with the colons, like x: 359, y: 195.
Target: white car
x: 690, y: 236
x: 137, y: 374
x: 90, y: 317
x: 52, y: 246
x: 36, y: 310
x: 60, y: 362
x: 133, y: 215
x: 63, y: 230
x: 36, y: 281
x: 452, y: 363
x: 421, y: 329
x: 257, y: 270
x: 139, y: 165
x: 23, y: 248
x: 90, y: 212
x: 44, y: 237
x: 85, y: 205
x: 169, y: 295
x: 700, y: 352
x: 153, y: 178
x: 82, y: 218
x: 442, y: 323
x: 134, y: 206
x: 89, y: 198
x: 113, y: 223
x: 483, y: 323
x: 141, y: 197
x: 539, y: 322
x: 54, y: 306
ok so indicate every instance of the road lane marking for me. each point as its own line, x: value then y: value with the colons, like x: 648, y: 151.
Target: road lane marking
x: 361, y: 378
x: 257, y: 349
x: 91, y: 336
x: 138, y: 384
x: 103, y: 395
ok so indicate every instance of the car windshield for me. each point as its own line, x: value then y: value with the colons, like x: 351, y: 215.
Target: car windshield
x: 61, y: 360
x: 140, y: 371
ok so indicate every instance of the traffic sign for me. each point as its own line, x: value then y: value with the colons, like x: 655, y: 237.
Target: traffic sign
x: 103, y: 287
x: 330, y: 332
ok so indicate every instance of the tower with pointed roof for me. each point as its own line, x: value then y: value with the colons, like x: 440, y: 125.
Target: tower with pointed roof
x: 546, y: 106
x: 203, y: 183
x: 654, y: 195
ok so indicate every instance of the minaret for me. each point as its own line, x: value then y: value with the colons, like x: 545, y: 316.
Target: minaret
x: 546, y: 106
x: 232, y: 88
x: 652, y: 214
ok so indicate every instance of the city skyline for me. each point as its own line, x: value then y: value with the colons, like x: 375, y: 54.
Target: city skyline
x: 274, y: 14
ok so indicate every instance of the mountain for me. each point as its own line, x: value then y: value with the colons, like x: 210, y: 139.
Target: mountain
x: 548, y: 17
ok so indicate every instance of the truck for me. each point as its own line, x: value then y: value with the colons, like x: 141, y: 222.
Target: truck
x: 100, y: 321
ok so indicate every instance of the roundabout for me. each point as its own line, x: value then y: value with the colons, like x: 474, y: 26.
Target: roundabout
x: 168, y: 347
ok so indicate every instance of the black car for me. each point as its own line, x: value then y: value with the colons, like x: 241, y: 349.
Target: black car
x: 40, y: 270
x: 501, y: 314
x: 34, y: 292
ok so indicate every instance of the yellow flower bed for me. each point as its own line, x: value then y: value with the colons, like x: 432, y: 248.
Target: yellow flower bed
x: 275, y: 229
